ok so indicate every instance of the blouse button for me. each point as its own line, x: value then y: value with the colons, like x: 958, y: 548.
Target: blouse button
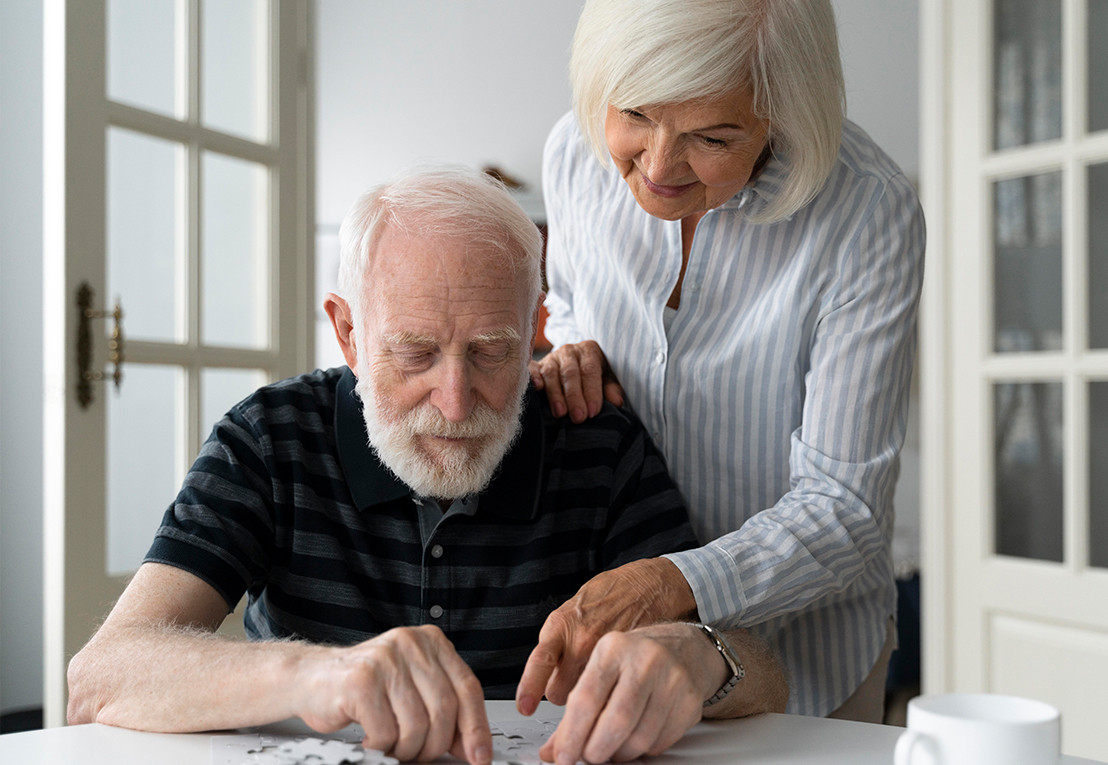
x: 436, y: 551
x: 436, y: 612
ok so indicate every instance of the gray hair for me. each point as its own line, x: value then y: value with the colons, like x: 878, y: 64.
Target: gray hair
x: 636, y: 53
x: 448, y: 201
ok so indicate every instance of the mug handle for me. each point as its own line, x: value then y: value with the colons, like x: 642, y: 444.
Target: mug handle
x: 906, y: 746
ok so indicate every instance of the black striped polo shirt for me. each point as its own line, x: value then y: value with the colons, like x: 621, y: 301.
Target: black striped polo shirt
x: 288, y: 504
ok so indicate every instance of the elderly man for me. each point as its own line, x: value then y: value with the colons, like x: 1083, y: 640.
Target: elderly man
x: 399, y: 560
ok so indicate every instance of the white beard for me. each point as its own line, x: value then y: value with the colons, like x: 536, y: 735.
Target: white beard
x: 432, y: 468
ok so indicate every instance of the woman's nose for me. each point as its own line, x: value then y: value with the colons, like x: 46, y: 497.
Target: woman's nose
x: 663, y: 160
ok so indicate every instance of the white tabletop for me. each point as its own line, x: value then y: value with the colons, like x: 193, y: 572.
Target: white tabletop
x: 763, y: 740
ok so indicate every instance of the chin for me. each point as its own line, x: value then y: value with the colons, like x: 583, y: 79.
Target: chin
x: 659, y: 209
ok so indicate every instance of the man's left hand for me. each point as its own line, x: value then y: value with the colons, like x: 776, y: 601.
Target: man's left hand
x: 639, y: 693
x: 636, y: 594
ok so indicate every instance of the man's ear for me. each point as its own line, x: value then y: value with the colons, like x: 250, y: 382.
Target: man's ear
x: 535, y: 319
x: 339, y: 312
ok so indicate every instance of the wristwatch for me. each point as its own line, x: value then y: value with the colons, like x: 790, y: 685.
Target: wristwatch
x: 737, y: 670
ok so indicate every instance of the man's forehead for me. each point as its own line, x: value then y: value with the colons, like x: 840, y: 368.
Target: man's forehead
x: 411, y: 249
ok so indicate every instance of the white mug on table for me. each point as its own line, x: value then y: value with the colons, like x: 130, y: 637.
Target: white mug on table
x: 980, y: 729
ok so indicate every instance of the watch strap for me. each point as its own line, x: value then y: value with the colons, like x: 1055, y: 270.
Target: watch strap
x: 738, y: 672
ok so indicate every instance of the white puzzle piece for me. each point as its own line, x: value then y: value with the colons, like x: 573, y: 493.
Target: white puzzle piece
x: 256, y: 749
x: 518, y: 742
x: 514, y: 743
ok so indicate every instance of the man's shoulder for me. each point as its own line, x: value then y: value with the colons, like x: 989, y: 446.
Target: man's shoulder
x: 613, y: 427
x: 310, y: 393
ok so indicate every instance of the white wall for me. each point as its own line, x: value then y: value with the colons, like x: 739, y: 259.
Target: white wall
x: 20, y: 354
x: 879, y: 40
x: 403, y: 82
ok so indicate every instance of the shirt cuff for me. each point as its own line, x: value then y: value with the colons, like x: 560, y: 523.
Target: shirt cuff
x: 713, y: 576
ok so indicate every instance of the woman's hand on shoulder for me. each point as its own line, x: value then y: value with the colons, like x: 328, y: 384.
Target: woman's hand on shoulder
x: 577, y: 379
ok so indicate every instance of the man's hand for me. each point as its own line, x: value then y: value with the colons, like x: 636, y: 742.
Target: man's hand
x: 577, y: 379
x: 156, y: 665
x: 638, y: 593
x: 641, y: 690
x: 639, y: 693
x: 408, y: 688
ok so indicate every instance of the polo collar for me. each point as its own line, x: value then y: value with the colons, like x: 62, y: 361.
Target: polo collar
x: 513, y: 493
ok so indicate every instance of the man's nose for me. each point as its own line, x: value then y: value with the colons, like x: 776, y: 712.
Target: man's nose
x: 453, y: 395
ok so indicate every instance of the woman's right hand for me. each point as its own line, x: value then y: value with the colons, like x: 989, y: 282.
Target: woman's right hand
x: 577, y: 379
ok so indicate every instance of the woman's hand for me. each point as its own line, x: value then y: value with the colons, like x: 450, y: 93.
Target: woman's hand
x: 638, y: 593
x: 577, y: 379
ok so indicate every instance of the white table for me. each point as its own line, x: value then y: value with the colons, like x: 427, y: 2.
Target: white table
x: 764, y: 740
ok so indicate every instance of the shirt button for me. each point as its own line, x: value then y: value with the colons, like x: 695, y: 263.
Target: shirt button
x: 659, y: 357
x: 436, y: 551
x: 436, y: 612
x: 694, y: 287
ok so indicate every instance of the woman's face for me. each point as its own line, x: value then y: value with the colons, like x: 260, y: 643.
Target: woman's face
x: 686, y: 158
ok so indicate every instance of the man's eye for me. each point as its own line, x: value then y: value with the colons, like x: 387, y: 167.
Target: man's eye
x: 491, y: 356
x: 415, y: 359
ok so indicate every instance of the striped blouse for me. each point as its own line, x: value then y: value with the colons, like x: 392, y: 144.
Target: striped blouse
x: 778, y: 392
x: 287, y: 503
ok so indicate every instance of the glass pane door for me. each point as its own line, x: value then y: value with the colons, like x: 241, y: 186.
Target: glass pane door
x: 1047, y: 171
x: 190, y: 249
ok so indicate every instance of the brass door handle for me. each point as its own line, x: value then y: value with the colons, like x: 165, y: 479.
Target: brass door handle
x: 85, y: 375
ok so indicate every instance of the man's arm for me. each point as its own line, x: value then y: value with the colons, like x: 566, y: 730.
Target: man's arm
x: 155, y: 665
x: 641, y: 690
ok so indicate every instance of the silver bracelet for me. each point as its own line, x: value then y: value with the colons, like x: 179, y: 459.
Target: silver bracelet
x: 738, y: 672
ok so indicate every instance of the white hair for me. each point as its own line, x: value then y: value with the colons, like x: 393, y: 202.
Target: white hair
x: 448, y: 201
x: 632, y: 54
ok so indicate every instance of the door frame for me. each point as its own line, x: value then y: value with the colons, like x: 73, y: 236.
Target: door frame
x: 76, y: 115
x: 935, y: 342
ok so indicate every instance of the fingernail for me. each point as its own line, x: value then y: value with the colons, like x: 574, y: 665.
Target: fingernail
x: 559, y: 410
x: 482, y: 754
x: 579, y: 415
x: 565, y: 759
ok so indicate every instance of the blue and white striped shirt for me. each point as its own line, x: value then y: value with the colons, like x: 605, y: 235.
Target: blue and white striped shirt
x: 778, y: 392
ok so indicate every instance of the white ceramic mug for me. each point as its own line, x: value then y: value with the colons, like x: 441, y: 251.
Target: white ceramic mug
x: 980, y: 729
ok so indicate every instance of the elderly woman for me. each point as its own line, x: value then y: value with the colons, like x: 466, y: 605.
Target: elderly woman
x: 747, y: 265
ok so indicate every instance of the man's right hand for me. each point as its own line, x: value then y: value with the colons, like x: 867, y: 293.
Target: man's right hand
x: 577, y: 379
x: 408, y: 688
x: 155, y: 665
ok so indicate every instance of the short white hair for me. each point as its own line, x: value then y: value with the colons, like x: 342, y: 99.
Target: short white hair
x: 447, y: 201
x: 636, y: 53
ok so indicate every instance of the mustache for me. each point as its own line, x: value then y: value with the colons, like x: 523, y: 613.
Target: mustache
x: 482, y: 422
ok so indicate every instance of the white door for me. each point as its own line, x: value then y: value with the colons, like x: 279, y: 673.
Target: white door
x: 1015, y: 359
x: 177, y: 185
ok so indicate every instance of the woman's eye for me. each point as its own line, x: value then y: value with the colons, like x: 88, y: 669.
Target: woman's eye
x: 718, y: 143
x: 632, y: 113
